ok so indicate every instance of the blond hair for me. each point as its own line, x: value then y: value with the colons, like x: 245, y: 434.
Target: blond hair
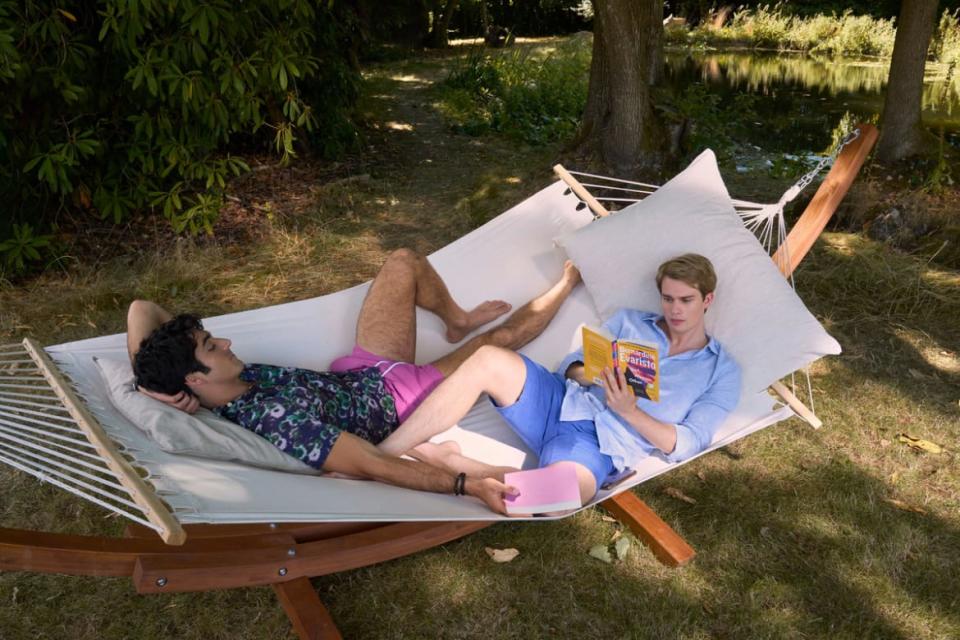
x: 692, y: 269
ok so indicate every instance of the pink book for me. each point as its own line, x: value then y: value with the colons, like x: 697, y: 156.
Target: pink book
x: 554, y: 488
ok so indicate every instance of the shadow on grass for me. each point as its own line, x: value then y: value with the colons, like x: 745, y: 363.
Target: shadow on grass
x: 818, y: 554
x: 873, y: 300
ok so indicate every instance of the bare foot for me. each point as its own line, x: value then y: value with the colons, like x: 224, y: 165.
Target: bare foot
x: 571, y: 275
x: 434, y: 453
x: 447, y: 447
x: 481, y: 315
x: 497, y: 473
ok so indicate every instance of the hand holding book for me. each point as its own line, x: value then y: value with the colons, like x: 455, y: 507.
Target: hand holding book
x: 639, y: 363
x: 619, y: 395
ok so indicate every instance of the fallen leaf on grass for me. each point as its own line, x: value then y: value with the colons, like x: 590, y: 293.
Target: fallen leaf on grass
x: 501, y: 555
x: 702, y: 476
x: 673, y: 492
x: 608, y: 519
x: 900, y: 504
x: 884, y: 442
x: 616, y: 535
x: 622, y: 548
x: 894, y: 477
x: 919, y: 444
x: 601, y: 552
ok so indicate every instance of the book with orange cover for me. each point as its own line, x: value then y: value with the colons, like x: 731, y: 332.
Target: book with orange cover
x: 639, y: 362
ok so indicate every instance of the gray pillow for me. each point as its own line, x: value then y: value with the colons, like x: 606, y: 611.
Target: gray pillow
x: 203, y: 434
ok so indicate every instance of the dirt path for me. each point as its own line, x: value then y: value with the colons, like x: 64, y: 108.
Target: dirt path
x: 444, y: 183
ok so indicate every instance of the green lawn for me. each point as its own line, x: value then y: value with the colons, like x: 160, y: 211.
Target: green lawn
x: 838, y: 533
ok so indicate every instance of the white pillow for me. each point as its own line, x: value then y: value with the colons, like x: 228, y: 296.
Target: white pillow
x: 203, y: 434
x: 755, y: 315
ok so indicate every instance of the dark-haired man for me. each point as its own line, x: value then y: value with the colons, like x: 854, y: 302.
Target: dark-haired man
x: 333, y: 420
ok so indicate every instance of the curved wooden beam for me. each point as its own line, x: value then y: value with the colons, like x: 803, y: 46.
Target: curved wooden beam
x: 24, y: 550
x: 178, y: 571
x: 255, y: 557
x: 825, y: 202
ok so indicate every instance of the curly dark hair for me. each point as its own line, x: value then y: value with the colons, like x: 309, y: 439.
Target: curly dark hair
x: 166, y: 356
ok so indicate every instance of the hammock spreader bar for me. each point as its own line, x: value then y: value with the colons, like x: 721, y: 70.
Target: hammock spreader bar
x: 28, y: 442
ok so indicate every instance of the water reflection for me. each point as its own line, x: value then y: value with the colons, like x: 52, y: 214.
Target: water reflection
x: 801, y: 98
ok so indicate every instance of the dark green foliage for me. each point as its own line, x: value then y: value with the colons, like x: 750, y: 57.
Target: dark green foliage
x: 520, y: 94
x: 711, y: 120
x: 22, y: 247
x: 128, y: 105
x: 527, y: 18
x: 697, y: 10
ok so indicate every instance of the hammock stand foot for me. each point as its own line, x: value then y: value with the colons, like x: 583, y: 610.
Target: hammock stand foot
x: 665, y: 543
x: 310, y: 619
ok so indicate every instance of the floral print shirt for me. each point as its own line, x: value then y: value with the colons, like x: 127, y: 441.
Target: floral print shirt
x: 303, y: 412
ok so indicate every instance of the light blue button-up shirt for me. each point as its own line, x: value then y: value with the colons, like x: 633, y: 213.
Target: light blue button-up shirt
x: 698, y: 389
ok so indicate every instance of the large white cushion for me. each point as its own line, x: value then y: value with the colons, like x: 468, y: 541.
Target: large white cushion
x: 756, y: 314
x: 203, y: 434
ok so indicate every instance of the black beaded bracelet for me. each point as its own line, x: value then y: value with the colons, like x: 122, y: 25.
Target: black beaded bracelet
x: 459, y: 484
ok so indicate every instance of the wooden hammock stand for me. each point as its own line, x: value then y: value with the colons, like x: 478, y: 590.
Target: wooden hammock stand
x: 286, y: 556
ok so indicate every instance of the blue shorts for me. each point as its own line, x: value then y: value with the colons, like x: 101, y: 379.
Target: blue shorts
x: 535, y: 417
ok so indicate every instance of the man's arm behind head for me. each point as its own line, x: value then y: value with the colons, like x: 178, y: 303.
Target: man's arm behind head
x: 143, y: 318
x: 161, y: 347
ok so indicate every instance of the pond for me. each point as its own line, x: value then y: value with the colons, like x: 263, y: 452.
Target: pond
x: 802, y: 98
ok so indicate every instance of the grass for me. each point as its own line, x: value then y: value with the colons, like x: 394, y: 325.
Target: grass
x: 799, y: 533
x: 776, y: 27
x: 533, y: 94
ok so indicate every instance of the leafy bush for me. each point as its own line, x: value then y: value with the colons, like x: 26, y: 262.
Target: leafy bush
x: 534, y: 99
x: 126, y: 105
x: 945, y: 46
x: 777, y: 27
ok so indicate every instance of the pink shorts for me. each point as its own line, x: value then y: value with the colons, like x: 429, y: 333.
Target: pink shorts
x: 408, y: 383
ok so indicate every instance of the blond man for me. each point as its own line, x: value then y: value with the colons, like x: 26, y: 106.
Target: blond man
x: 603, y: 429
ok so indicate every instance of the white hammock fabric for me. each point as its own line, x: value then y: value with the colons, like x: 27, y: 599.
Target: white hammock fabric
x: 511, y: 257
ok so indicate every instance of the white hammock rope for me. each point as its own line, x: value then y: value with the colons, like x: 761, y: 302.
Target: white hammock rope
x: 72, y: 471
x: 50, y: 444
x: 41, y: 422
x: 612, y: 179
x: 612, y: 188
x: 25, y: 429
x: 35, y: 413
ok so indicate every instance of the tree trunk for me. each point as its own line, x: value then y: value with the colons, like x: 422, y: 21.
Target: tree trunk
x: 619, y: 123
x: 438, y: 38
x: 901, y: 135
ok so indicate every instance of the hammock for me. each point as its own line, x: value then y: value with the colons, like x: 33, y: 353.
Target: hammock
x: 310, y: 334
x: 40, y: 436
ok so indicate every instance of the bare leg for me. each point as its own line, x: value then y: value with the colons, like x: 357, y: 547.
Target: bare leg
x: 524, y: 325
x: 588, y: 484
x: 387, y: 325
x: 498, y: 372
x: 448, y: 457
